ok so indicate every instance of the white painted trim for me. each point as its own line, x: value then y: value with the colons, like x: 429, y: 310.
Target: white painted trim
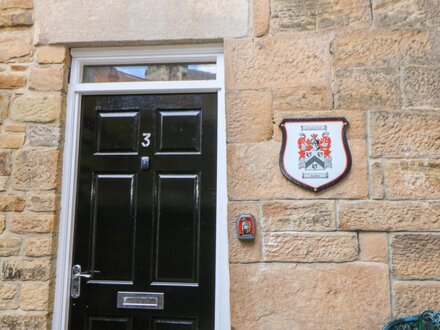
x: 140, y: 55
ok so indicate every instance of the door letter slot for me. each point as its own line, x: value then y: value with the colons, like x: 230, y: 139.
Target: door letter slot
x: 140, y: 300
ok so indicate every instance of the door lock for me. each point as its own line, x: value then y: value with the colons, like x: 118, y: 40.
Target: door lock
x: 75, y: 283
x: 145, y: 163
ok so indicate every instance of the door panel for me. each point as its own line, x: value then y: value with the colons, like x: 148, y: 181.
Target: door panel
x: 146, y: 229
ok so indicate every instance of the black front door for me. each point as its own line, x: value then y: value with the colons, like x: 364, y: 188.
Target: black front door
x: 145, y: 213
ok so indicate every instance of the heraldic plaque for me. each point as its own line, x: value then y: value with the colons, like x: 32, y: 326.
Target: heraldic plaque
x: 314, y: 153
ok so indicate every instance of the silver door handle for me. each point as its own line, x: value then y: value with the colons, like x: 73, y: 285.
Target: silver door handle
x: 75, y: 281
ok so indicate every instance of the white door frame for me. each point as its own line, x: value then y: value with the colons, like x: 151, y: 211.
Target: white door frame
x: 139, y: 55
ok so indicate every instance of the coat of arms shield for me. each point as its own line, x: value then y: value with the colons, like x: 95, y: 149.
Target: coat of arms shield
x: 314, y: 153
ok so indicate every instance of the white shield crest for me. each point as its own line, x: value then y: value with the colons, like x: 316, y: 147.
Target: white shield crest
x: 315, y: 153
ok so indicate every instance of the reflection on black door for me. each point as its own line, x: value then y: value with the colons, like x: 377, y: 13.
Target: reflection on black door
x: 145, y: 212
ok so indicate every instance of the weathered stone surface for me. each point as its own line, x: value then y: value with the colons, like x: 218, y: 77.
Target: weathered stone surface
x: 37, y: 108
x: 300, y: 60
x: 25, y: 270
x: 261, y: 11
x: 253, y: 173
x: 15, y: 44
x: 302, y: 98
x: 44, y: 135
x: 51, y: 54
x: 412, y: 298
x: 373, y: 247
x: 7, y: 291
x: 9, y: 246
x: 289, y: 16
x: 11, y: 140
x: 377, y: 190
x: 310, y: 247
x: 5, y: 162
x: 249, y: 116
x: 356, y: 130
x: 403, y: 134
x: 2, y: 223
x: 4, y: 182
x: 43, y: 202
x: 36, y: 169
x: 8, y: 4
x: 416, y: 256
x: 389, y: 215
x: 16, y: 18
x: 378, y: 47
x: 337, y: 14
x: 367, y: 88
x: 47, y: 78
x: 337, y: 296
x: 243, y: 251
x: 412, y: 179
x: 421, y: 86
x: 24, y: 321
x: 38, y: 247
x: 10, y: 80
x: 406, y: 13
x: 34, y: 296
x: 298, y: 216
x: 17, y: 128
x: 11, y: 203
x: 4, y: 105
x: 31, y: 223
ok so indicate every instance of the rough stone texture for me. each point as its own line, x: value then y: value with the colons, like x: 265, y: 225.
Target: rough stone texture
x: 421, y: 86
x: 412, y: 179
x: 261, y: 10
x: 15, y: 18
x: 167, y: 20
x: 271, y: 296
x: 43, y: 202
x: 290, y: 16
x: 10, y: 80
x: 47, y: 78
x: 24, y: 321
x: 389, y: 216
x: 34, y: 296
x: 298, y: 216
x: 253, y: 174
x: 37, y: 108
x: 23, y: 4
x: 242, y: 251
x: 5, y: 162
x: 44, y: 135
x: 302, y: 97
x: 11, y: 140
x: 36, y: 169
x: 9, y: 246
x: 378, y: 47
x: 7, y: 291
x: 2, y: 223
x: 51, y: 54
x: 3, y: 182
x: 310, y: 247
x: 15, y: 128
x: 367, y: 88
x: 249, y: 116
x: 11, y: 203
x: 31, y: 223
x: 373, y: 247
x: 38, y: 247
x: 408, y: 134
x: 412, y: 298
x: 300, y: 60
x: 416, y: 256
x: 14, y: 45
x: 377, y: 190
x: 25, y: 270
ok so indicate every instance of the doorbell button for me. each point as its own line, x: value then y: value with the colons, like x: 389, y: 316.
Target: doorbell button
x: 245, y: 226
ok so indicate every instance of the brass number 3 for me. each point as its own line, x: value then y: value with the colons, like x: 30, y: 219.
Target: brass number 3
x: 147, y: 141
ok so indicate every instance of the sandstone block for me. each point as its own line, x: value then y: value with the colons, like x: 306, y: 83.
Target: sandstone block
x: 300, y: 60
x: 337, y: 14
x: 4, y: 105
x: 298, y: 216
x: 336, y: 296
x: 36, y: 169
x: 37, y: 108
x: 31, y: 223
x: 15, y: 44
x: 24, y: 321
x: 416, y: 256
x: 302, y: 98
x: 261, y: 11
x: 25, y: 270
x: 9, y: 246
x: 249, y: 116
x: 421, y: 86
x: 373, y: 247
x: 8, y: 4
x: 378, y: 47
x: 34, y: 296
x: 242, y: 251
x: 12, y: 19
x: 47, y: 78
x: 7, y: 291
x: 4, y: 182
x: 44, y: 135
x: 5, y: 162
x: 310, y: 247
x: 38, y: 247
x: 2, y: 223
x: 10, y: 80
x: 11, y: 203
x: 377, y: 184
x: 11, y: 140
x: 291, y: 16
x: 412, y: 298
x: 43, y: 202
x: 19, y: 68
x: 253, y: 173
x: 51, y: 54
x: 389, y: 216
x: 17, y: 128
x: 412, y: 134
x: 412, y: 179
x: 367, y: 88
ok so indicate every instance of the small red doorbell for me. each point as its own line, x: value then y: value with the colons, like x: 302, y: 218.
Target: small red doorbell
x: 245, y: 227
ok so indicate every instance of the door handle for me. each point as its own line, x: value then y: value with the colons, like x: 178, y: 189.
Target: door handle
x: 75, y: 282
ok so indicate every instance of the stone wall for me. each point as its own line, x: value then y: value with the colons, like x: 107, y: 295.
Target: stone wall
x: 32, y: 88
x: 366, y: 250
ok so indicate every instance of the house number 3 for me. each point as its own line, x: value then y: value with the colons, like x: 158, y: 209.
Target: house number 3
x: 146, y: 140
